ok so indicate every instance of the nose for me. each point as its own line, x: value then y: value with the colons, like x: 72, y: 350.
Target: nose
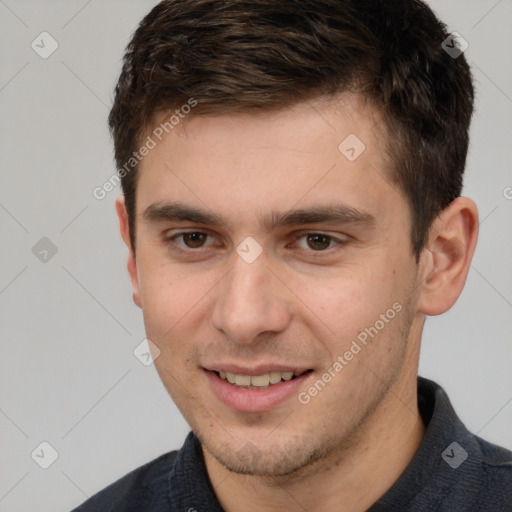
x: 250, y: 301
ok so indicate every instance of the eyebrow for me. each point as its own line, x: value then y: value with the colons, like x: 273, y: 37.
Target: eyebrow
x: 159, y: 212
x: 335, y: 213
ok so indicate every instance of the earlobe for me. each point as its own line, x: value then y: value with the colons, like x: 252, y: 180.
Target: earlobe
x: 125, y: 235
x: 446, y: 259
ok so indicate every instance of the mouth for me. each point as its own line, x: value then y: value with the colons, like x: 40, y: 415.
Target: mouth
x: 262, y: 381
x: 256, y: 390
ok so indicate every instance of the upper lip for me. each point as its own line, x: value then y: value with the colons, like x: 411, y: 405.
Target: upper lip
x: 254, y: 370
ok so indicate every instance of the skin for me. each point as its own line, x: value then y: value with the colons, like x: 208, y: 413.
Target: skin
x: 297, y: 304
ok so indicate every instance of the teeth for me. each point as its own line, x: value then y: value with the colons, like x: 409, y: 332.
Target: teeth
x: 258, y: 381
x: 275, y: 377
x: 243, y: 380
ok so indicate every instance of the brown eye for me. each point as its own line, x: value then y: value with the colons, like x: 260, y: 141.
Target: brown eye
x: 318, y: 242
x: 194, y: 240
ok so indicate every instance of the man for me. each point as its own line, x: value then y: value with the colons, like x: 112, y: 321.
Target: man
x: 292, y: 175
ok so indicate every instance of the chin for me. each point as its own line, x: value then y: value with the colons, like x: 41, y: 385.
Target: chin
x: 267, y: 461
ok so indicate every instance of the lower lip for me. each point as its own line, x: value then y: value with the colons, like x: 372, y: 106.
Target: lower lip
x: 255, y: 400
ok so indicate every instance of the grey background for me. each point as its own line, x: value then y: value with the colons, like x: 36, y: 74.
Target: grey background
x: 68, y: 325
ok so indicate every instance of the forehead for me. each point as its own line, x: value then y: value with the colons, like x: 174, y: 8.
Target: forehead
x: 317, y: 152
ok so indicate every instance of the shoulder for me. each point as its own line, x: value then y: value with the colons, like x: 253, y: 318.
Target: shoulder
x: 141, y: 490
x: 496, y: 471
x: 460, y: 470
x: 495, y: 456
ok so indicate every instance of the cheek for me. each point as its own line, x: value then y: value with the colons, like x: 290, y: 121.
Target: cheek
x: 165, y: 295
x: 176, y: 305
x: 342, y: 299
x: 350, y: 302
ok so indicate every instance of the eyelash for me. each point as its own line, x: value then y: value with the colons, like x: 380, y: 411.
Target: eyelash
x: 172, y: 240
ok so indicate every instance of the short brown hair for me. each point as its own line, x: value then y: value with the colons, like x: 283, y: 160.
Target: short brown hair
x: 257, y: 55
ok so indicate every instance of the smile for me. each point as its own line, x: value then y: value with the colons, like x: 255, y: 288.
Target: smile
x: 258, y: 392
x: 262, y: 381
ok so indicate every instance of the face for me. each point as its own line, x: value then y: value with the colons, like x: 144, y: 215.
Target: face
x: 271, y: 256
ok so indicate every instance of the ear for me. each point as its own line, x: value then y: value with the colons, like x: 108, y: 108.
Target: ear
x: 446, y: 259
x: 125, y: 235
